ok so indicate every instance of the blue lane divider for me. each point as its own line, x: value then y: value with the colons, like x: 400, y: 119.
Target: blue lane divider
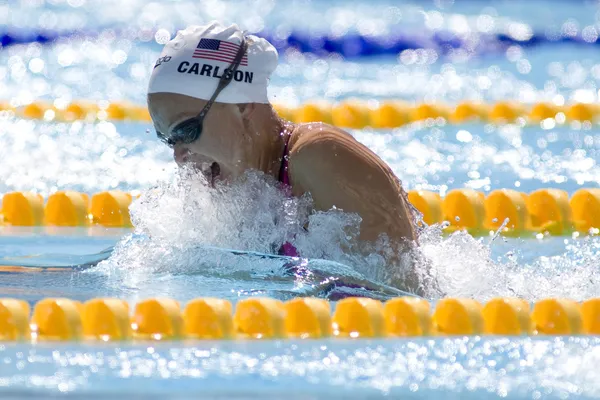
x: 350, y: 45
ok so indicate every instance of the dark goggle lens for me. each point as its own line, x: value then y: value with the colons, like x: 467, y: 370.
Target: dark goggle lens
x: 185, y: 132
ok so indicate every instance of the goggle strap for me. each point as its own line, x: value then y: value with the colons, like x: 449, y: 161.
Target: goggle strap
x: 223, y: 82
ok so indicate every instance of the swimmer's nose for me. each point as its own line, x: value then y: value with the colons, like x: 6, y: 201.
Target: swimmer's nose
x: 180, y: 154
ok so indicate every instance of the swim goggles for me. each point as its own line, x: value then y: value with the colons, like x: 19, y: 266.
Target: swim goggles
x: 189, y: 131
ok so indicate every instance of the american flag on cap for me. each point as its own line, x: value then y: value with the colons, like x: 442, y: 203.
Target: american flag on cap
x: 219, y: 50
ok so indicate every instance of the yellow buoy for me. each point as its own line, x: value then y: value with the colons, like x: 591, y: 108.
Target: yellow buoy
x: 313, y: 112
x: 57, y: 319
x: 583, y: 112
x: 585, y: 208
x: 350, y: 114
x: 259, y: 318
x: 157, y: 319
x: 106, y: 319
x: 428, y: 203
x: 14, y: 320
x: 407, y: 316
x: 73, y: 112
x: 284, y: 112
x: 35, y: 110
x: 138, y: 113
x: 22, y: 209
x: 457, y: 316
x: 66, y: 208
x: 116, y: 111
x: 80, y: 110
x: 542, y: 111
x: 208, y: 318
x: 389, y: 114
x: 504, y: 111
x: 549, y: 210
x: 427, y: 111
x: 469, y: 111
x: 111, y: 209
x: 557, y: 317
x: 307, y: 318
x: 358, y: 317
x: 590, y: 310
x: 464, y: 209
x: 506, y: 203
x: 507, y: 316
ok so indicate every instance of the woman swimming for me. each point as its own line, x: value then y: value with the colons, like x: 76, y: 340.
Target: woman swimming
x: 207, y: 97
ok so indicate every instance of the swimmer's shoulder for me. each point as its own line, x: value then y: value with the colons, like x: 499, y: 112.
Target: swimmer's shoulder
x: 312, y: 135
x: 338, y: 170
x: 332, y: 150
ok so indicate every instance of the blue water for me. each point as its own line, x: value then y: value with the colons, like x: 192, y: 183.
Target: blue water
x: 455, y: 368
x: 45, y: 156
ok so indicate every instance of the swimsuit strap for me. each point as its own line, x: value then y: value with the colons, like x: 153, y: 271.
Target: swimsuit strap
x: 286, y: 249
x: 283, y: 171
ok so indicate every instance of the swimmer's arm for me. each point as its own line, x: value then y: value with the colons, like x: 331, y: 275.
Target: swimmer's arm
x: 339, y: 171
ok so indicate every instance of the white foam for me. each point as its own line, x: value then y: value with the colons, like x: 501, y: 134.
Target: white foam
x: 183, y: 216
x: 464, y: 266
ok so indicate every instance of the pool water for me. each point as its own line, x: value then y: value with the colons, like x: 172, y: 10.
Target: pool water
x: 46, y: 156
x: 455, y: 368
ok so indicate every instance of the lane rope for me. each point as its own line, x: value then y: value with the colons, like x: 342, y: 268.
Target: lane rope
x: 543, y: 212
x: 352, y: 45
x: 203, y: 318
x: 349, y: 113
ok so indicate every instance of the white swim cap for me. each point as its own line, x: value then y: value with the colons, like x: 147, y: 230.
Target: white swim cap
x: 193, y: 62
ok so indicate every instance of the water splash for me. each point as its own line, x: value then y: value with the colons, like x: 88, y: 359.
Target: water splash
x: 464, y: 266
x: 177, y: 222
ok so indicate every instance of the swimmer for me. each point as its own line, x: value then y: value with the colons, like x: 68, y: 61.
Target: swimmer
x: 207, y: 97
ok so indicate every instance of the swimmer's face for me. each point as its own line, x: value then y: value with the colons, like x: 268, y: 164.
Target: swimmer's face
x: 217, y: 151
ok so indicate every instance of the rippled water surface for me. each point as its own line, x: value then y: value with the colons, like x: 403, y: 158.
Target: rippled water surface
x: 455, y: 368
